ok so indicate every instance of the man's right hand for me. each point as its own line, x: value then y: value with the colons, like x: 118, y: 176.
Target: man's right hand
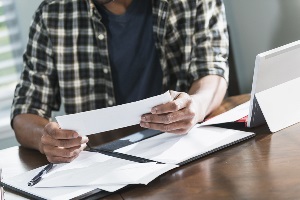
x: 61, y: 146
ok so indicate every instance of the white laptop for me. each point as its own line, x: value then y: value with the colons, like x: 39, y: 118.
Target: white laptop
x: 272, y: 68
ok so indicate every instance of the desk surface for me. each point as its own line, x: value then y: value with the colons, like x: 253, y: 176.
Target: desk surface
x: 265, y: 167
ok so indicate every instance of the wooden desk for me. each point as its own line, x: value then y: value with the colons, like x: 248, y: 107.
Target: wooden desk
x: 265, y: 167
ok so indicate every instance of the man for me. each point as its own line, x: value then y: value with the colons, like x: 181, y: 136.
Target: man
x: 93, y: 54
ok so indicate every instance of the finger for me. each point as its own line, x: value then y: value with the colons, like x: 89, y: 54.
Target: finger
x: 182, y: 101
x: 170, y: 117
x: 180, y: 131
x: 66, y: 143
x: 187, y: 124
x: 57, y: 160
x: 51, y: 151
x: 69, y: 159
x: 55, y: 132
x: 60, y: 159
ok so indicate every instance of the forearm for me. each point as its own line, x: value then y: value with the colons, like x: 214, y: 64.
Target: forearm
x: 29, y: 130
x: 208, y: 93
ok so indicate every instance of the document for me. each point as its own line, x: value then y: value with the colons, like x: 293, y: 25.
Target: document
x: 20, y: 182
x: 230, y: 116
x: 104, y: 172
x: 88, y: 172
x: 96, y: 121
x: 175, y: 149
x: 93, y: 171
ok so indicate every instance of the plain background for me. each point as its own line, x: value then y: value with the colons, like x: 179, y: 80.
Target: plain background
x: 255, y: 25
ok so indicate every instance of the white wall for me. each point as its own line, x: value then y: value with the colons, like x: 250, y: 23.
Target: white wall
x: 25, y: 10
x: 257, y: 26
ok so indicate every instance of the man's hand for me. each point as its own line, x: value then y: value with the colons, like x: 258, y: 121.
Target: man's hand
x: 177, y: 116
x: 181, y: 114
x: 61, y: 146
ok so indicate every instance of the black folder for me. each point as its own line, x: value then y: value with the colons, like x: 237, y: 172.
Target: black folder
x: 111, y: 149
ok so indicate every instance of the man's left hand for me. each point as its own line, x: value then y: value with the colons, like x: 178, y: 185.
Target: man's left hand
x: 177, y: 116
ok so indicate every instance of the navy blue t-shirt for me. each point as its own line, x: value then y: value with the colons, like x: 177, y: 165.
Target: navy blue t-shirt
x: 135, y: 66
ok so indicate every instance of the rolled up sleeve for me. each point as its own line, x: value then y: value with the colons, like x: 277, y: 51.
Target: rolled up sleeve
x: 210, y: 41
x: 37, y: 91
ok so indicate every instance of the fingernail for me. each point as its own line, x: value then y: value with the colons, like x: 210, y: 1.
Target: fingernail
x: 154, y: 110
x: 144, y: 118
x: 75, y: 135
x: 145, y: 125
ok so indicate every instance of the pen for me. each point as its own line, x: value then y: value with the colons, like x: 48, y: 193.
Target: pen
x: 39, y: 176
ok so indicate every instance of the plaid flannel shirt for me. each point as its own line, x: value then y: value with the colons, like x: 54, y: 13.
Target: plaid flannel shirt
x: 67, y: 59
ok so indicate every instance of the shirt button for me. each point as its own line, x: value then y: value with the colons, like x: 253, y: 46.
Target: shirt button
x: 110, y: 102
x: 105, y: 70
x: 101, y: 37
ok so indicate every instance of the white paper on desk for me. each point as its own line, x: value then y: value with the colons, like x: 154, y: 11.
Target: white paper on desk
x: 96, y: 121
x: 174, y: 149
x: 230, y: 116
x: 109, y: 175
x: 281, y: 105
x: 20, y: 182
x: 85, y: 159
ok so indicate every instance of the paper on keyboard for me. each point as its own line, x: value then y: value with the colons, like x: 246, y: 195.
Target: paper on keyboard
x: 96, y: 121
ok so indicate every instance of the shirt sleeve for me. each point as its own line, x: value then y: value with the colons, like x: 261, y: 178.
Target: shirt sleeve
x: 37, y: 91
x: 210, y: 41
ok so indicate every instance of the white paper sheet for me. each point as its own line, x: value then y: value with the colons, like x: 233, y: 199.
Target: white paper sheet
x: 20, y: 182
x: 281, y: 105
x: 230, y: 116
x: 96, y: 121
x: 109, y: 174
x: 94, y: 170
x: 85, y: 159
x: 174, y: 149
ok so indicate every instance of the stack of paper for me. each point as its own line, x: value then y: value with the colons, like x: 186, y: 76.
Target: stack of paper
x: 175, y: 149
x: 19, y: 183
x: 104, y: 172
x: 88, y: 172
x: 93, y: 170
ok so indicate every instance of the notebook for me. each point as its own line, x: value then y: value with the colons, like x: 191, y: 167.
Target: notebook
x: 153, y: 147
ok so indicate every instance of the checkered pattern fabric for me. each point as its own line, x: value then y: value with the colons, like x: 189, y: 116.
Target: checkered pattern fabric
x: 67, y: 58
